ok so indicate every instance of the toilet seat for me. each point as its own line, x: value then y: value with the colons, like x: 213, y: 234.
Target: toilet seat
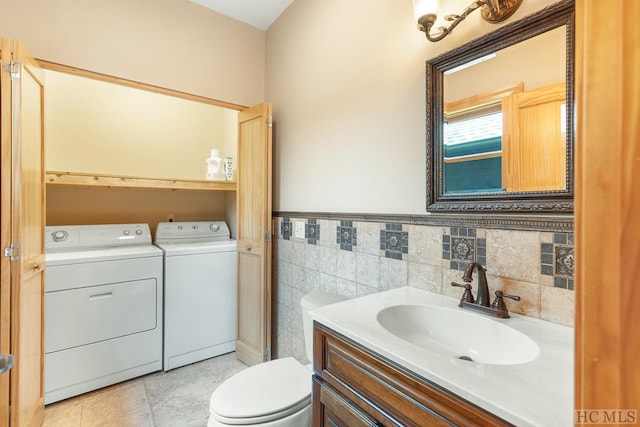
x: 262, y: 393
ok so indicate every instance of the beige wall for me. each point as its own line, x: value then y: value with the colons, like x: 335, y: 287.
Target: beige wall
x: 175, y: 44
x: 347, y: 83
x: 105, y: 128
x: 119, y: 206
x: 537, y: 62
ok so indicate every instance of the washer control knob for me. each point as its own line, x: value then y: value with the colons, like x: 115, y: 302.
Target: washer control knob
x: 139, y: 232
x: 214, y: 227
x: 126, y: 232
x: 59, y: 235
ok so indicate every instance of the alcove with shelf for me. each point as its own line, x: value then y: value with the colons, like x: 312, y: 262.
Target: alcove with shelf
x: 134, y: 145
x: 128, y: 153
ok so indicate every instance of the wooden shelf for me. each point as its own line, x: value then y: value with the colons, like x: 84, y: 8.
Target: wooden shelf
x: 77, y: 179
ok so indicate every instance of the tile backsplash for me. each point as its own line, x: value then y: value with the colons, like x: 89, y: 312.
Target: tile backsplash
x: 355, y: 258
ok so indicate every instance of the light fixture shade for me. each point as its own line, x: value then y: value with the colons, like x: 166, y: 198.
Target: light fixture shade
x: 424, y: 7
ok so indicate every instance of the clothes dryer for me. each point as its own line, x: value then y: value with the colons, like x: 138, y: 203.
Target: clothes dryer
x: 103, y: 307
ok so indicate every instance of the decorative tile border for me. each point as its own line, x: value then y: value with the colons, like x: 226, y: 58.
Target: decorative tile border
x: 557, y: 259
x: 461, y: 246
x: 346, y: 235
x: 481, y: 251
x: 564, y: 261
x: 393, y: 241
x: 556, y: 223
x: 446, y: 247
x: 285, y: 228
x: 312, y: 231
x: 546, y: 258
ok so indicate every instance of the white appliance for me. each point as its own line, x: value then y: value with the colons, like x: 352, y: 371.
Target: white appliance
x: 103, y: 312
x: 200, y: 293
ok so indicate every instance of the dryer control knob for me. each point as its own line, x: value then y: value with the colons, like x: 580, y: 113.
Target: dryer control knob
x: 126, y: 232
x: 214, y: 227
x: 139, y: 232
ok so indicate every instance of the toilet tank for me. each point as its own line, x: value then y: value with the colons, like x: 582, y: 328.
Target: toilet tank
x: 310, y: 302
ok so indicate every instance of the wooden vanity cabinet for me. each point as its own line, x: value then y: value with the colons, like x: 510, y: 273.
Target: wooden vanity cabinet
x: 352, y: 386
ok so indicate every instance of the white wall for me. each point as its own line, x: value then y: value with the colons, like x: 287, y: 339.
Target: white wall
x: 175, y: 44
x: 347, y: 83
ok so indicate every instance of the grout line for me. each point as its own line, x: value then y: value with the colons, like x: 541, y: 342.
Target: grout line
x: 148, y: 400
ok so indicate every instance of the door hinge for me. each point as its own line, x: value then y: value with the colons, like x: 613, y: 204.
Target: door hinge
x: 267, y: 354
x: 14, y: 69
x: 267, y: 236
x: 13, y: 251
x: 269, y: 121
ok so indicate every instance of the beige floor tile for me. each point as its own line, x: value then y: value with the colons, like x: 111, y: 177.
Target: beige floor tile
x: 138, y: 418
x: 178, y: 398
x: 115, y: 402
x: 67, y: 413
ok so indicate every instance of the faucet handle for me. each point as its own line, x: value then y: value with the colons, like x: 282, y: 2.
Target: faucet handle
x: 467, y: 296
x: 502, y: 294
x: 498, y: 303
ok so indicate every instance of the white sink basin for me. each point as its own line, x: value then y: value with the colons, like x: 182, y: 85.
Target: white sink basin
x: 458, y: 334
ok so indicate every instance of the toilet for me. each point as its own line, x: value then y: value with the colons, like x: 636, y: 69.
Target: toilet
x: 271, y: 394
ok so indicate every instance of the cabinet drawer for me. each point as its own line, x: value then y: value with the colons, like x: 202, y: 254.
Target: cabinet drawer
x: 387, y: 392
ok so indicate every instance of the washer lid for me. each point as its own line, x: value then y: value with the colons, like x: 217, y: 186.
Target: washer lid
x: 179, y: 249
x: 267, y: 390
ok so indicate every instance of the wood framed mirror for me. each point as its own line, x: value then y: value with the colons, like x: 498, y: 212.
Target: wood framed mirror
x: 500, y: 119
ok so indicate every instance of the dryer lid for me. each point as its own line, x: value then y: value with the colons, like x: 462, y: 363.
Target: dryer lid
x: 265, y: 391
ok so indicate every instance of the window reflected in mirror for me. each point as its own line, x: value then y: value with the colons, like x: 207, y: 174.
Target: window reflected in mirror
x: 473, y: 153
x: 472, y: 139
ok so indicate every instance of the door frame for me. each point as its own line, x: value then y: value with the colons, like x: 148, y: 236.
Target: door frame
x: 607, y: 328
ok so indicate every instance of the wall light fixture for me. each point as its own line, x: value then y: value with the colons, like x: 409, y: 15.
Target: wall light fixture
x: 493, y: 11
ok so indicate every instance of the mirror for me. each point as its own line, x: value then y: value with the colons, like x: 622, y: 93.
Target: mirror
x: 500, y: 119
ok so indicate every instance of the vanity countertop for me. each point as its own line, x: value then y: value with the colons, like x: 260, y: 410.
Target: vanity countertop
x: 537, y: 393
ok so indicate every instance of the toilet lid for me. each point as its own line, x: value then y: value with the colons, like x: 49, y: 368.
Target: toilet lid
x: 263, y: 392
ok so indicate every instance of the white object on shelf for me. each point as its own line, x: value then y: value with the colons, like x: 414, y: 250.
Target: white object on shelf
x: 215, y: 167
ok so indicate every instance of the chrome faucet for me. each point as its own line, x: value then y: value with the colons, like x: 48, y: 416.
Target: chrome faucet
x: 482, y: 297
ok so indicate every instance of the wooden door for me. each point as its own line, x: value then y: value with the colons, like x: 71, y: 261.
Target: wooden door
x: 254, y: 234
x: 5, y: 223
x: 607, y: 203
x: 23, y: 221
x: 534, y: 148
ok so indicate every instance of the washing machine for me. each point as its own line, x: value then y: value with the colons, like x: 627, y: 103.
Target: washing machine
x: 103, y: 307
x: 200, y: 292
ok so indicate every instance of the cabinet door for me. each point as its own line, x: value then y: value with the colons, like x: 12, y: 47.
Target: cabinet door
x: 254, y: 234
x: 23, y: 221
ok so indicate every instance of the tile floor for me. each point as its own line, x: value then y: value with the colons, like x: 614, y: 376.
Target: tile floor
x: 178, y: 398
